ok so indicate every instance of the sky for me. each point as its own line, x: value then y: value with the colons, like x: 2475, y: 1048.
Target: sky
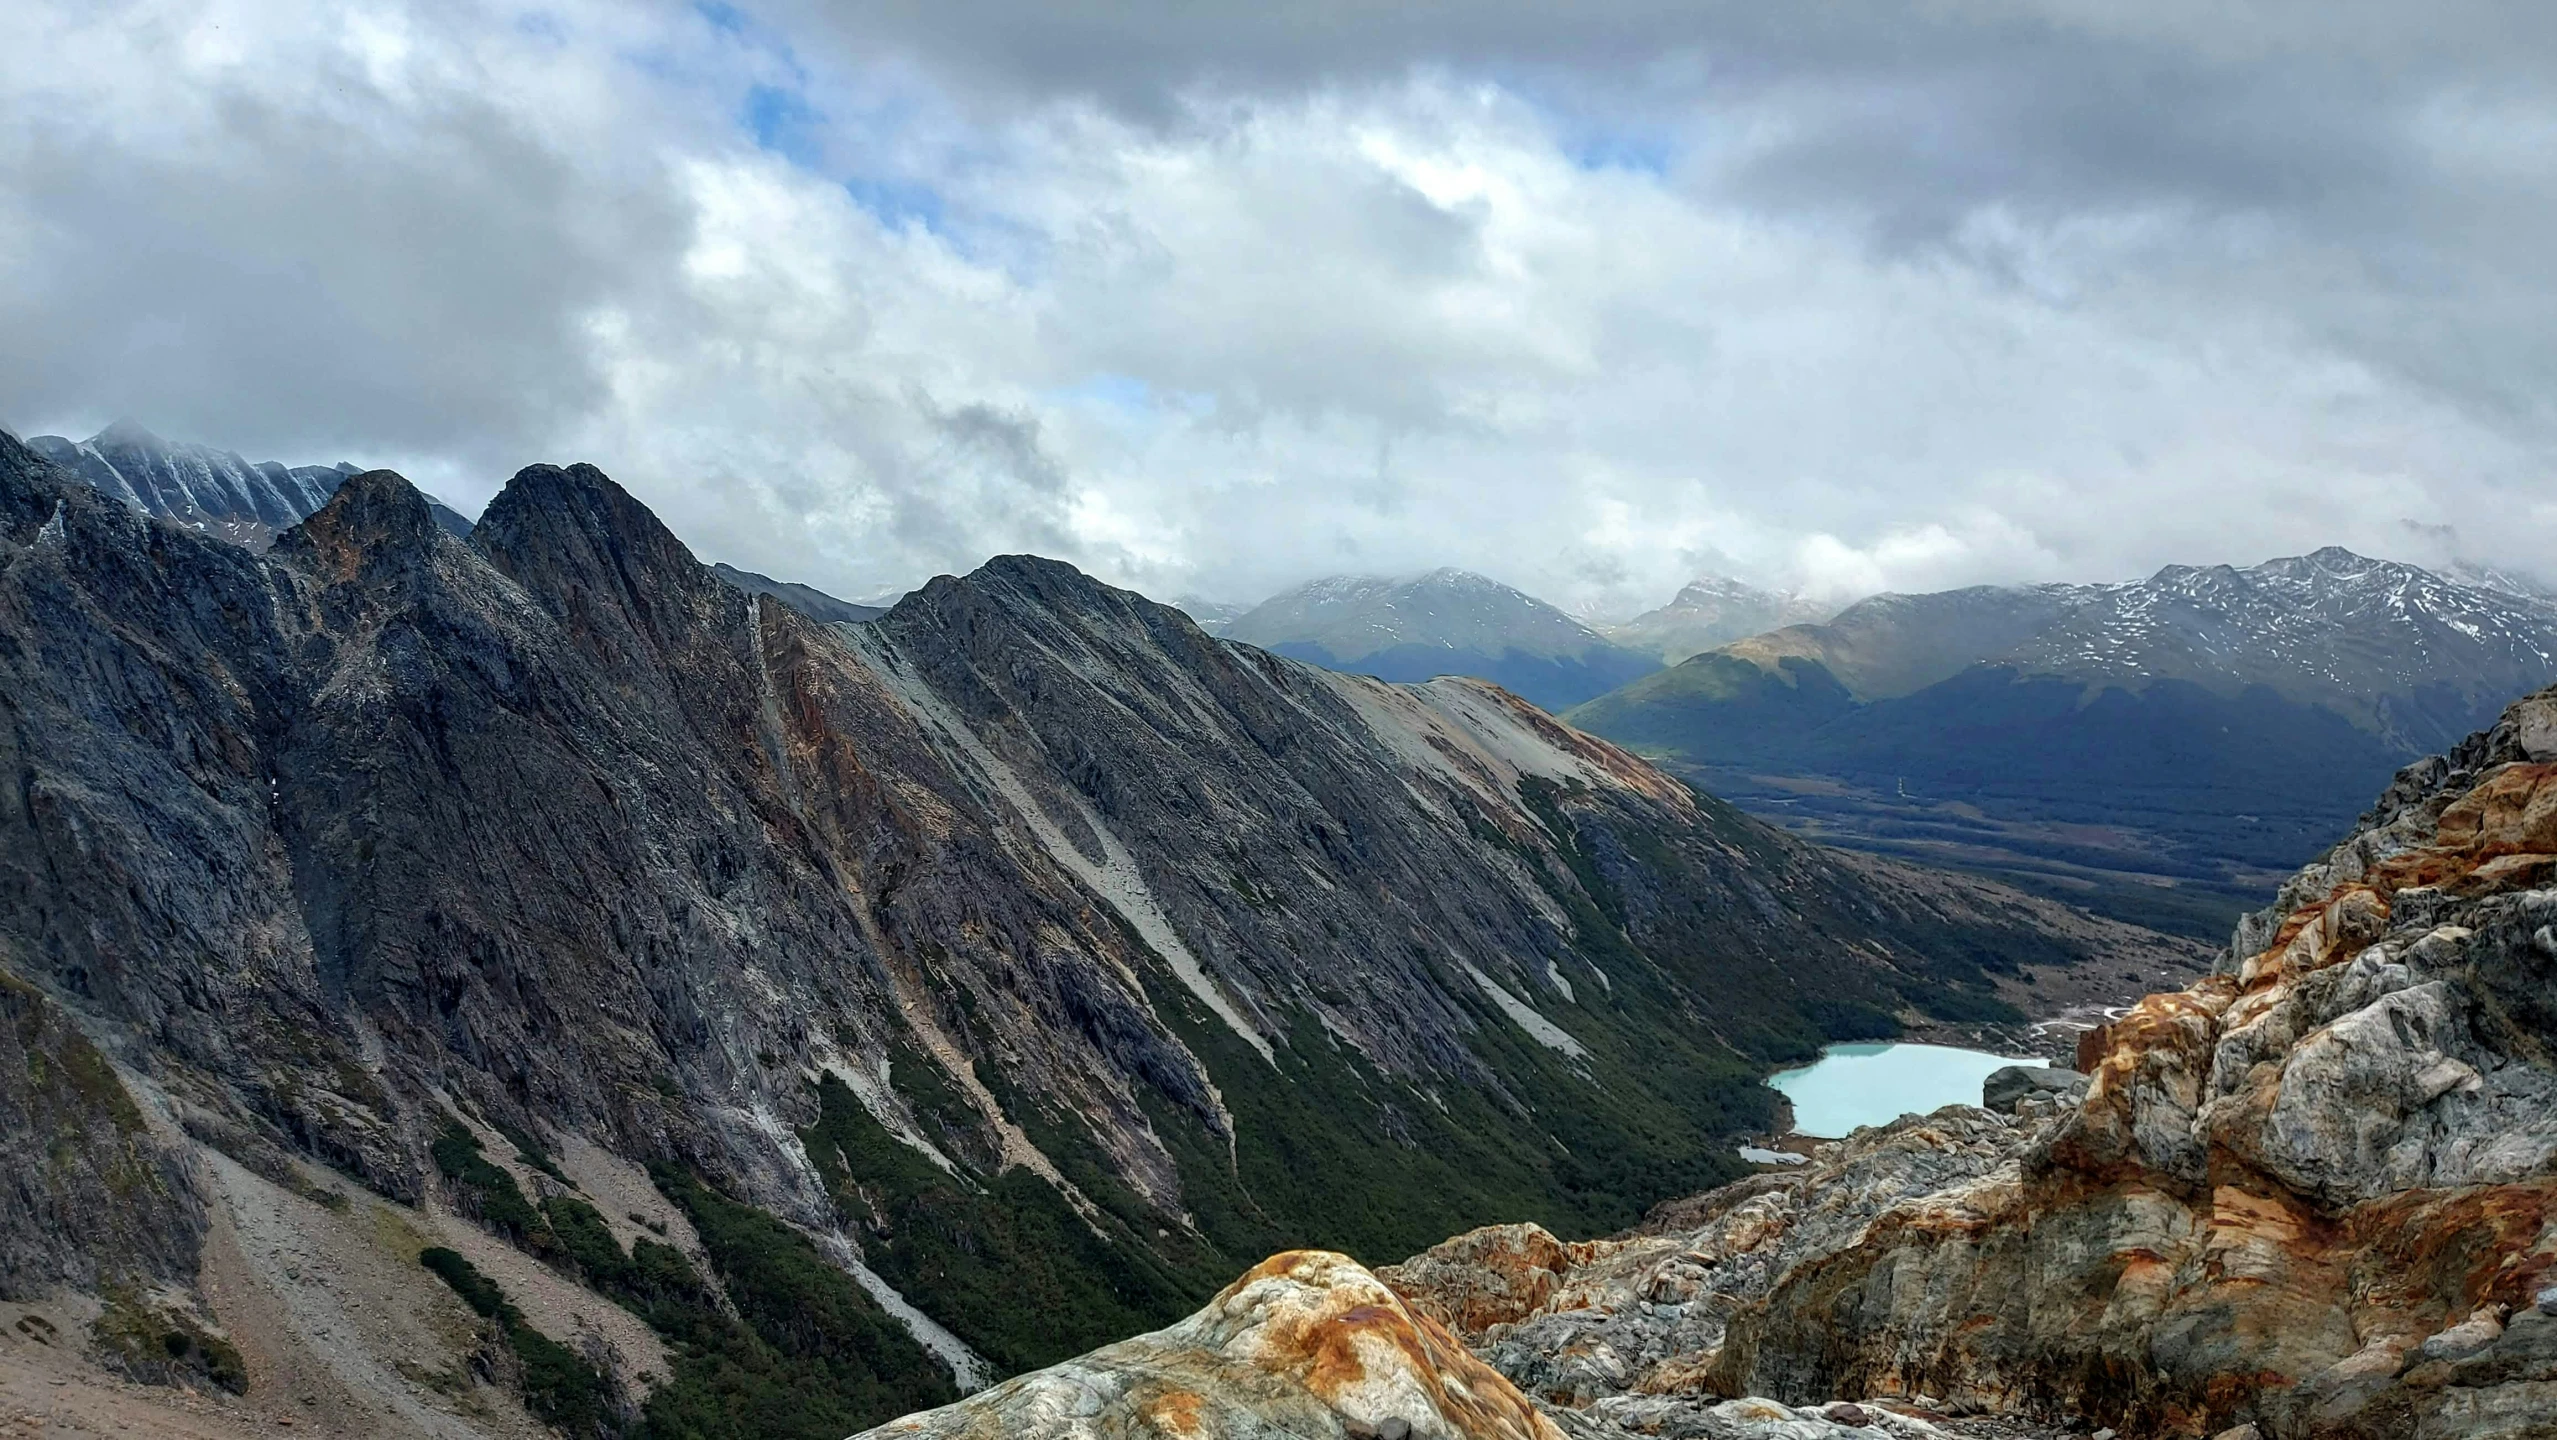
x: 1209, y: 299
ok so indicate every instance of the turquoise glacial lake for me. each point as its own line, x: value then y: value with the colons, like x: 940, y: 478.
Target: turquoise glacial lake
x: 1852, y: 1085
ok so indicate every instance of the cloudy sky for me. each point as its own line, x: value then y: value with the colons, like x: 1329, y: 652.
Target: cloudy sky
x: 1210, y: 297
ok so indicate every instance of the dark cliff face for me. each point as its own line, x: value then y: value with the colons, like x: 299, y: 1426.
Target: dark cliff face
x: 1026, y: 931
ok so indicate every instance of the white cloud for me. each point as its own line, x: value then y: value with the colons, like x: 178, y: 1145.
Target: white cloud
x: 1239, y: 336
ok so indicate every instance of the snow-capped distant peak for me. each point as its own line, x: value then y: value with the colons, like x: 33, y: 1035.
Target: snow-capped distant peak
x: 196, y: 485
x: 2331, y: 626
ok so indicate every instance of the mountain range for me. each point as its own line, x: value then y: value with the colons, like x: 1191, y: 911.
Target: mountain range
x: 250, y: 503
x: 1446, y: 622
x: 1714, y: 611
x: 2120, y: 742
x: 524, y: 968
x: 246, y: 502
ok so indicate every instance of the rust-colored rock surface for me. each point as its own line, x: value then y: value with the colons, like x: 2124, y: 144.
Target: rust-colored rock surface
x: 1306, y: 1345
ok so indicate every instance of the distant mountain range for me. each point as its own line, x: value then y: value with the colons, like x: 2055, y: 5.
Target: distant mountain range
x: 1447, y: 622
x: 1714, y: 611
x: 2191, y: 729
x: 243, y: 501
x: 1213, y: 616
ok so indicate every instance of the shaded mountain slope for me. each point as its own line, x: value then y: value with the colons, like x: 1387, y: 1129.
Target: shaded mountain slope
x: 816, y: 604
x: 1894, y: 644
x: 1711, y: 612
x: 1447, y: 622
x: 1027, y: 955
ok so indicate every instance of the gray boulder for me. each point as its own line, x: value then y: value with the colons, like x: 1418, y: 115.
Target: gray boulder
x: 2005, y: 1089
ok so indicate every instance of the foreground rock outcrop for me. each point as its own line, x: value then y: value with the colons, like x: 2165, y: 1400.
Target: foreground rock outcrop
x: 2315, y: 1193
x: 1306, y: 1344
x: 1310, y: 1346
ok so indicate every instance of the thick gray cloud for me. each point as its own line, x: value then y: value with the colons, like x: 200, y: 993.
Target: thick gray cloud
x: 327, y: 259
x: 1212, y: 297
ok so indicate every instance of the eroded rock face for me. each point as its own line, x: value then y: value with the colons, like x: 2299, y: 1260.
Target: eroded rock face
x: 2315, y: 1193
x: 1648, y: 1312
x: 88, y: 1197
x: 2009, y: 1087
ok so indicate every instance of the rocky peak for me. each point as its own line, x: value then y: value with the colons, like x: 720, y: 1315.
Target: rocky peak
x: 30, y: 486
x: 127, y: 434
x: 574, y: 523
x: 203, y: 488
x: 596, y: 557
x: 374, y: 521
x: 1033, y: 591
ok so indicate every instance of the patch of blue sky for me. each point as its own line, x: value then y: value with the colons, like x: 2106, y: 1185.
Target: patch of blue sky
x: 1594, y: 132
x: 783, y: 122
x: 711, y: 61
x: 542, y: 25
x: 1620, y: 150
x: 899, y: 203
x: 1126, y: 397
x: 1110, y: 389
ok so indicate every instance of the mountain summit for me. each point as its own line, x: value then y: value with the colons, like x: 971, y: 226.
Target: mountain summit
x: 1714, y: 611
x: 1446, y: 622
x: 248, y: 503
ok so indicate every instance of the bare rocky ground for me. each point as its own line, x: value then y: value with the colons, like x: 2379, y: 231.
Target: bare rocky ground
x: 342, y: 1333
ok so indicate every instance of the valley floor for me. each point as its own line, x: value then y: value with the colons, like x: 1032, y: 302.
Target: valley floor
x: 2120, y: 871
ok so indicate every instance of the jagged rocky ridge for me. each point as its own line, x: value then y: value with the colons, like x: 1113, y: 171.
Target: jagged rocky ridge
x: 1028, y: 950
x: 214, y: 491
x: 2315, y: 1193
x: 814, y: 603
x: 1311, y: 1346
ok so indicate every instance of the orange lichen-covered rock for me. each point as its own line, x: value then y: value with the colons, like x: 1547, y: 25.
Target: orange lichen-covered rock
x: 2146, y: 1087
x: 2514, y: 809
x: 1307, y: 1345
x: 2333, y: 930
x: 1497, y: 1275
